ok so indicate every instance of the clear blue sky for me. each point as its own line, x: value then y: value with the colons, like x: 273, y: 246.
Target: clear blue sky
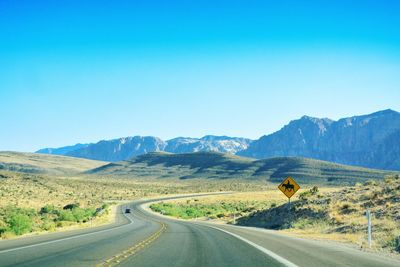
x: 82, y: 71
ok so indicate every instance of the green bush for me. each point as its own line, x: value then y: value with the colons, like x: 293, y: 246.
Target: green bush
x: 48, y: 225
x: 47, y: 209
x: 20, y: 224
x: 79, y: 214
x: 396, y: 243
x: 66, y: 215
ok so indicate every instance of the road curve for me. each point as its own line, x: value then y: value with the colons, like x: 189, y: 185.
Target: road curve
x: 145, y: 239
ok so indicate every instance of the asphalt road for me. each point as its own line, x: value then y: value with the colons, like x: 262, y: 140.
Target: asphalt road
x: 145, y: 239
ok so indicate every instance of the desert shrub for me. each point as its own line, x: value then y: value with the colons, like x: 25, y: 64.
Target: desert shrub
x: 20, y: 224
x: 71, y: 206
x: 66, y: 215
x: 47, y: 209
x: 48, y: 225
x: 396, y: 243
x: 313, y: 191
x: 79, y: 214
x: 3, y: 227
x: 370, y: 182
x: 345, y: 206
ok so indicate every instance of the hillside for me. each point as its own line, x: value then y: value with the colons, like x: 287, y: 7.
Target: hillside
x: 225, y: 166
x: 340, y: 214
x: 368, y: 140
x: 128, y: 147
x: 51, y: 164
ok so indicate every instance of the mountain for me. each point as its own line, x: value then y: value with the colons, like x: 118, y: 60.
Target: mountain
x: 370, y: 140
x: 213, y: 165
x: 119, y: 149
x: 62, y: 150
x: 223, y: 144
x: 45, y: 164
x: 128, y: 147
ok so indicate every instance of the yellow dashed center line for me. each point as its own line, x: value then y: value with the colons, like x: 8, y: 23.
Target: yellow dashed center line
x: 116, y: 259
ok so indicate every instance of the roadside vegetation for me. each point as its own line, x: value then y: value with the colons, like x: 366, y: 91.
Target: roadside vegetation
x: 221, y: 207
x: 55, y: 194
x: 16, y: 221
x: 321, y: 213
x: 31, y: 203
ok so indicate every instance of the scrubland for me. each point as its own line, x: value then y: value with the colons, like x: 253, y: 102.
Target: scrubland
x: 320, y: 213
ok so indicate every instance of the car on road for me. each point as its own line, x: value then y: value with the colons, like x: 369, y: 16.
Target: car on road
x: 127, y: 210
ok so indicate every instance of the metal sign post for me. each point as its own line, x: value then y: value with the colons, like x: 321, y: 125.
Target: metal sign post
x: 289, y: 187
x: 368, y: 213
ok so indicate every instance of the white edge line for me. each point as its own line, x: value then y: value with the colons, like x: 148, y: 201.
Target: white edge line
x: 67, y: 238
x: 273, y: 255
x: 76, y: 236
x: 262, y: 249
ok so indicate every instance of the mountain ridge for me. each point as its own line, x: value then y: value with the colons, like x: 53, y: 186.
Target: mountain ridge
x: 364, y: 140
x: 127, y: 147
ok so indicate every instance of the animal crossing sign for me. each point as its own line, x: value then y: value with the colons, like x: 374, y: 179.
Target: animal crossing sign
x: 289, y: 187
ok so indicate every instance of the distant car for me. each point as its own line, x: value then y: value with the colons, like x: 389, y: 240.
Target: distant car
x: 127, y: 210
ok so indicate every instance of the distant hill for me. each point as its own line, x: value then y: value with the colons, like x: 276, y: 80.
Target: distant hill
x: 45, y: 164
x: 128, y: 147
x: 370, y: 140
x: 225, y: 166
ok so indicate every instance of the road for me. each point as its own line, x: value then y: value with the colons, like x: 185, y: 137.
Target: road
x: 145, y: 239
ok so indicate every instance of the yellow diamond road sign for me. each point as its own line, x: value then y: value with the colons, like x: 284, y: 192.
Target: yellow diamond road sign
x: 289, y: 187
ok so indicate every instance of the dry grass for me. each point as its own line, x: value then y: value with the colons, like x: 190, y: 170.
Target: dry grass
x: 329, y: 214
x: 41, y: 163
x: 34, y: 191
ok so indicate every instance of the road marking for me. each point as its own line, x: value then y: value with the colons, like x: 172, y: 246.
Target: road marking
x: 68, y: 238
x: 262, y: 249
x: 117, y: 259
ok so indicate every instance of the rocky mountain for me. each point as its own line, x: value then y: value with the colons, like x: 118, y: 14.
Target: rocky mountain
x: 222, y: 144
x: 128, y: 147
x: 371, y: 140
x: 119, y: 149
x: 62, y: 150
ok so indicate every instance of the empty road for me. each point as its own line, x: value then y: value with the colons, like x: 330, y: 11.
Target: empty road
x: 141, y: 238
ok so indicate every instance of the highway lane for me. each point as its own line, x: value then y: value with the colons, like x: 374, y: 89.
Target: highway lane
x: 310, y: 253
x: 76, y: 248
x: 186, y: 244
x: 179, y: 244
x: 90, y: 247
x: 179, y: 248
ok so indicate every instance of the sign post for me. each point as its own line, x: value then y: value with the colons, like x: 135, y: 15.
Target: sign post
x: 369, y: 228
x: 289, y: 187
